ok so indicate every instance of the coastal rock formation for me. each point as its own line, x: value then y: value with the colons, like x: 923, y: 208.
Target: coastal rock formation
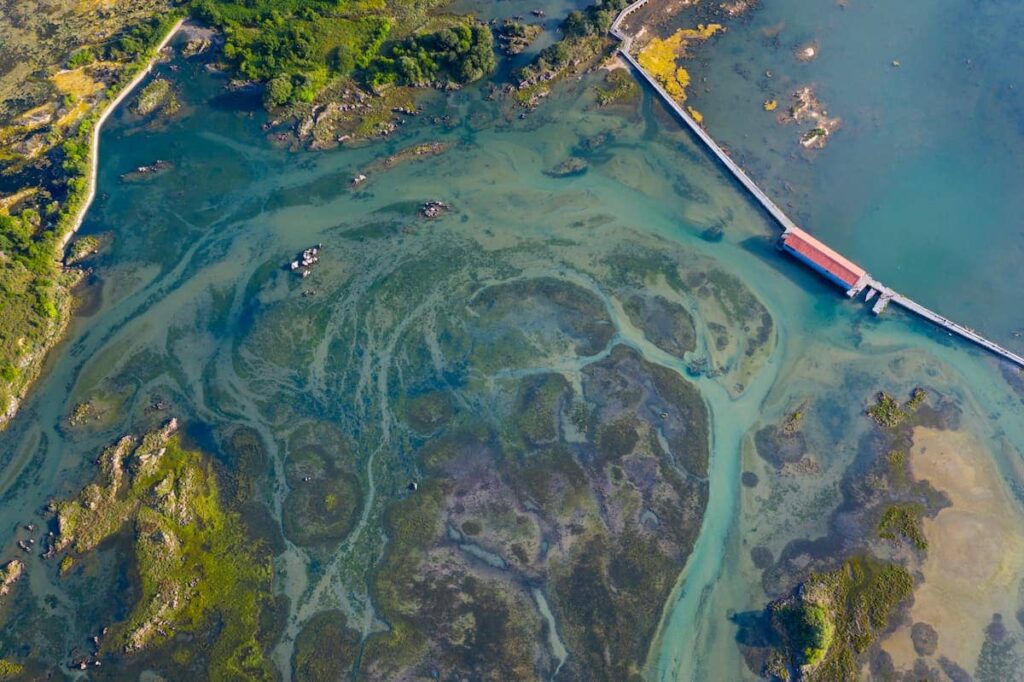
x: 9, y: 575
x: 809, y: 114
x: 157, y: 96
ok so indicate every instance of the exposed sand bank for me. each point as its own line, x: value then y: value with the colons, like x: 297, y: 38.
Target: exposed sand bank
x: 976, y: 549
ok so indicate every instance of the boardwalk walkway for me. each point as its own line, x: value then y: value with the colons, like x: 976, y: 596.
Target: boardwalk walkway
x: 744, y: 179
x: 886, y: 295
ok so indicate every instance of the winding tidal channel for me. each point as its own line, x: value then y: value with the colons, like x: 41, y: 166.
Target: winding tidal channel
x: 190, y: 310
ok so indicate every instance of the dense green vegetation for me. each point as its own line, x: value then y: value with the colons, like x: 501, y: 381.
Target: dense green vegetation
x: 594, y: 20
x: 903, y: 520
x: 584, y: 37
x: 461, y: 54
x: 34, y: 289
x: 297, y: 48
x: 170, y: 502
x: 808, y: 629
x: 888, y: 412
x: 835, y: 616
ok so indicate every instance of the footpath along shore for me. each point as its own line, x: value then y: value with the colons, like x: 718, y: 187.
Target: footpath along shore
x: 94, y: 145
x: 31, y: 361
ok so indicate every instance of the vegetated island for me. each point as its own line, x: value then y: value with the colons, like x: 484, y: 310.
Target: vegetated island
x: 836, y: 601
x: 176, y: 522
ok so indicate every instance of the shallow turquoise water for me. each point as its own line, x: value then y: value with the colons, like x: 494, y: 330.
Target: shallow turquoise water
x: 179, y: 298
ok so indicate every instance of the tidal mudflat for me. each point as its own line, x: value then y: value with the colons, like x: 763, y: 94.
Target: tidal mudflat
x: 583, y: 425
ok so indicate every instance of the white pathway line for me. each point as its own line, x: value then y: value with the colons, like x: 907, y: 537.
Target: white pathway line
x: 955, y: 328
x: 94, y: 145
x: 699, y: 131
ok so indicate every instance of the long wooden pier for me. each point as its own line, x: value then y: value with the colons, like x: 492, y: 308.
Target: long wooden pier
x: 864, y: 281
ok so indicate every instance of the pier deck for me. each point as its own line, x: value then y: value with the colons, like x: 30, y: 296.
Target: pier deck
x: 862, y: 279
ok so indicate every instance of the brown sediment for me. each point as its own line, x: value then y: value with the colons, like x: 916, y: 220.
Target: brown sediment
x: 976, y: 552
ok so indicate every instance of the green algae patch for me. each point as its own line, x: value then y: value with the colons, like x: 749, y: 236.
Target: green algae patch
x: 888, y: 412
x: 903, y: 520
x: 666, y: 324
x: 412, y: 525
x: 325, y: 649
x: 536, y: 418
x: 619, y: 87
x: 429, y: 411
x: 197, y: 569
x: 834, y: 617
x: 321, y: 506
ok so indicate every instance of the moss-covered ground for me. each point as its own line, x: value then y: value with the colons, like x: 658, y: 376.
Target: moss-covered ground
x: 610, y: 564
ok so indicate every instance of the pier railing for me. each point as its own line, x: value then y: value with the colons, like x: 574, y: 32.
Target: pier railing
x: 886, y: 295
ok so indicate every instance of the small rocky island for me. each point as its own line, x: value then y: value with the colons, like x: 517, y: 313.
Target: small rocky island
x: 304, y: 262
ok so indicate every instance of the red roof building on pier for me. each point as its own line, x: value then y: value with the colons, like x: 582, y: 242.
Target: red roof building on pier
x: 820, y: 257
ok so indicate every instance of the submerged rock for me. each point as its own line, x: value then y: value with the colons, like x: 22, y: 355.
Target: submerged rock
x: 147, y: 172
x: 434, y: 209
x: 572, y: 166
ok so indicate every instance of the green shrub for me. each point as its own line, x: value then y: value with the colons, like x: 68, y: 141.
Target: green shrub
x: 82, y: 57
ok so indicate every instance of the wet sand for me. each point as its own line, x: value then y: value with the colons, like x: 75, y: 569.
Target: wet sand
x: 976, y: 551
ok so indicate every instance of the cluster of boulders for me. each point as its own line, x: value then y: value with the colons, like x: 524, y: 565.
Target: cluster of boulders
x: 306, y: 260
x: 9, y: 575
x: 433, y: 208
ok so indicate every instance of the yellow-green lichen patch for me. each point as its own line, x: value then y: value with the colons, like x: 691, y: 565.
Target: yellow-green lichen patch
x: 888, y: 412
x: 9, y: 669
x: 659, y: 57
